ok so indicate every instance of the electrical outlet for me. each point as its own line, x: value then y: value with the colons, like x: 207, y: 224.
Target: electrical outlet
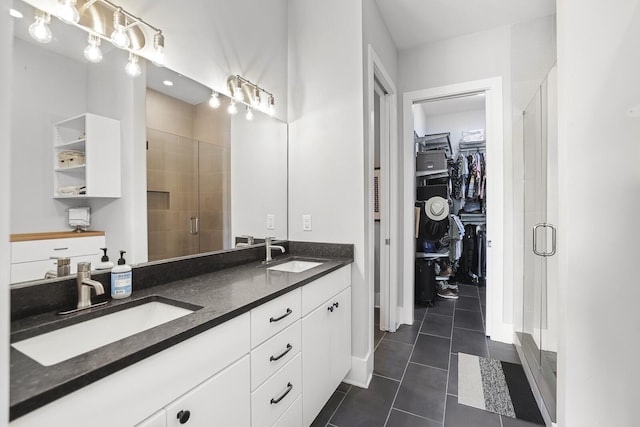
x: 306, y: 222
x: 271, y: 222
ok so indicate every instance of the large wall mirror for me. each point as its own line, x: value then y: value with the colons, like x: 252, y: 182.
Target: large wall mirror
x: 193, y: 176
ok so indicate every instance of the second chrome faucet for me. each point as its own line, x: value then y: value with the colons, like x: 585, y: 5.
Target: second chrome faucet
x: 269, y: 247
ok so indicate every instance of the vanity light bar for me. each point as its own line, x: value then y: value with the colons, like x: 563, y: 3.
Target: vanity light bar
x: 236, y: 86
x: 122, y: 21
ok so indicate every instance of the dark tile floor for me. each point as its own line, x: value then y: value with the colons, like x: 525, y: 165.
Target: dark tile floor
x: 415, y: 379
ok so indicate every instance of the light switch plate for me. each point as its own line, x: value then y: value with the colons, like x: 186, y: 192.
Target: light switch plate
x: 271, y: 222
x: 306, y: 222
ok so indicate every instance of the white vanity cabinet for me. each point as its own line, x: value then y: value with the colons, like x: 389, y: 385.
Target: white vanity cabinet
x: 326, y: 339
x: 86, y: 153
x: 32, y: 255
x: 275, y: 366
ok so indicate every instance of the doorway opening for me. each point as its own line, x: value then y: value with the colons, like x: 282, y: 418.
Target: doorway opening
x: 450, y: 196
x: 491, y: 90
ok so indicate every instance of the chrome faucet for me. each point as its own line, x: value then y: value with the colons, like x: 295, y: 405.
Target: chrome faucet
x: 243, y: 244
x: 63, y: 268
x: 269, y: 247
x: 85, y: 284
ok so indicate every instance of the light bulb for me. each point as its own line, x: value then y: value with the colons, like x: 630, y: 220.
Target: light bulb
x: 119, y: 36
x: 232, y: 108
x: 67, y: 12
x: 237, y: 92
x: 133, y: 68
x: 249, y: 114
x: 256, y: 101
x: 39, y: 30
x: 16, y: 13
x: 272, y: 106
x: 158, y: 58
x: 92, y: 52
x: 214, y: 101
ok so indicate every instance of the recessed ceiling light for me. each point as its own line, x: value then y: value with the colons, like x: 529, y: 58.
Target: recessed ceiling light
x: 167, y: 83
x: 16, y: 13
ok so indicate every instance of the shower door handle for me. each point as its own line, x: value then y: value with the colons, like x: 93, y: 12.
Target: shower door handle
x: 194, y: 225
x: 553, y: 239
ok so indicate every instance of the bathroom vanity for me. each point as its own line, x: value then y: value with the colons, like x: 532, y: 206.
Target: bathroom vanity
x: 260, y: 345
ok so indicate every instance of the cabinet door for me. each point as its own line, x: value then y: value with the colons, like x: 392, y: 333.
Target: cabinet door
x: 316, y: 361
x: 340, y: 337
x: 223, y: 400
x: 159, y: 419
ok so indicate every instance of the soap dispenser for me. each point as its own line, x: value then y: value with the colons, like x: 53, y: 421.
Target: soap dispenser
x: 121, y: 279
x: 104, y: 263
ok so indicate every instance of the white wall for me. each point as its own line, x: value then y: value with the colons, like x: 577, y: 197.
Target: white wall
x: 6, y: 44
x: 258, y: 166
x: 376, y: 34
x: 326, y: 163
x: 522, y: 54
x: 598, y: 69
x: 471, y: 57
x: 112, y: 93
x: 46, y: 88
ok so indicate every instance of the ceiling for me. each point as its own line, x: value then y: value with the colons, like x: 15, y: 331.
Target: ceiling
x: 416, y: 22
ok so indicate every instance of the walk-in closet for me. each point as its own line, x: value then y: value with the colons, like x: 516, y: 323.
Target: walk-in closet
x: 450, y: 196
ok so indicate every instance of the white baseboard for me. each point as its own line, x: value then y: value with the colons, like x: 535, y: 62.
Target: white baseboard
x: 503, y: 332
x: 361, y: 371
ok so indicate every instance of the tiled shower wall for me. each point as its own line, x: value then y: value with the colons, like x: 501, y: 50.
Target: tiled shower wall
x: 188, y: 175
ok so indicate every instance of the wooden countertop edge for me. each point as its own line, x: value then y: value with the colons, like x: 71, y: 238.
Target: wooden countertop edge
x: 27, y: 237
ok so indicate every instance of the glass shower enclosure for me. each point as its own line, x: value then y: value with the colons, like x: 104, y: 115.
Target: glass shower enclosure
x: 536, y: 339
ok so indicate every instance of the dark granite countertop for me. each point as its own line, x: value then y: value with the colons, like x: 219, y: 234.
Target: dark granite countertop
x: 222, y: 294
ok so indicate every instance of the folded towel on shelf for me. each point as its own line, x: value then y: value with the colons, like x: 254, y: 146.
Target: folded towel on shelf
x: 72, y: 190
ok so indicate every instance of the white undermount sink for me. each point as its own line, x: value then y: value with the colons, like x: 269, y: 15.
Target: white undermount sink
x: 63, y: 344
x: 295, y: 266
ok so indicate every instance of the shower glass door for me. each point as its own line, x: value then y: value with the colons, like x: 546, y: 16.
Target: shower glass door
x: 536, y: 336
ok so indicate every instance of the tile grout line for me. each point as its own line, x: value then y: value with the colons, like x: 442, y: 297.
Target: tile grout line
x: 415, y: 415
x: 386, y: 378
x: 405, y: 369
x: 430, y: 366
x: 338, y: 406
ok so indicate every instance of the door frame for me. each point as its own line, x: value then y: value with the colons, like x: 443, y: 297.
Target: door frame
x: 496, y: 328
x: 389, y: 202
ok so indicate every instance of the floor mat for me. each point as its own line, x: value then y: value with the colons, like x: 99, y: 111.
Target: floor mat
x: 496, y: 386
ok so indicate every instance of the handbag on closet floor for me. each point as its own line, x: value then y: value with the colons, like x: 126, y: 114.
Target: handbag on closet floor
x: 425, y: 282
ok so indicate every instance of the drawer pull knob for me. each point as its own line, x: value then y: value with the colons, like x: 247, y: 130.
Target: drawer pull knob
x: 60, y: 249
x: 330, y: 308
x: 336, y: 304
x: 274, y: 358
x: 277, y: 319
x: 276, y: 401
x: 183, y: 416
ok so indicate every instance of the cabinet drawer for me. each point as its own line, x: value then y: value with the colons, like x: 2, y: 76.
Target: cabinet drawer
x: 38, y: 250
x: 292, y: 416
x: 324, y: 288
x: 274, y: 353
x: 273, y: 397
x: 272, y: 317
x: 35, y: 270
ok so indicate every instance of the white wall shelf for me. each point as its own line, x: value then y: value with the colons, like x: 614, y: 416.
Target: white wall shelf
x: 99, y: 139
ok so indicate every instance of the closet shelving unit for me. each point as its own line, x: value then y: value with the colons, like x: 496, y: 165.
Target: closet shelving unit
x: 93, y: 142
x: 437, y: 142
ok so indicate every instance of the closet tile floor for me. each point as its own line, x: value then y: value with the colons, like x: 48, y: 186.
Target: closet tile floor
x: 415, y: 376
